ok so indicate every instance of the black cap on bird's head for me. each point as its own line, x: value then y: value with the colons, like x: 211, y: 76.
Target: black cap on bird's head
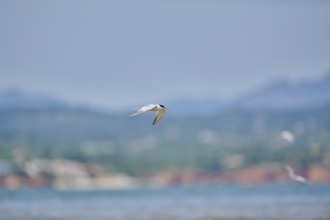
x: 162, y: 106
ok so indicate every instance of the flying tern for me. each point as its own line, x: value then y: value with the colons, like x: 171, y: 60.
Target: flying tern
x: 160, y: 109
x: 294, y: 176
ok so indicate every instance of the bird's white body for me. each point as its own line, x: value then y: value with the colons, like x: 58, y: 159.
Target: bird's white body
x: 160, y: 109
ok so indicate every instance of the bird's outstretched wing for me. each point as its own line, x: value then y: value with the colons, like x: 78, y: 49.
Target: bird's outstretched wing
x: 144, y: 109
x: 159, y: 116
x: 290, y: 171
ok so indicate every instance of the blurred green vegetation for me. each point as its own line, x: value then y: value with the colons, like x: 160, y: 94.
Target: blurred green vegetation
x: 218, y: 142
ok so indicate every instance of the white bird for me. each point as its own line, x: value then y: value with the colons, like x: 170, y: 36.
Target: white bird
x: 294, y: 176
x: 287, y: 137
x: 160, y: 109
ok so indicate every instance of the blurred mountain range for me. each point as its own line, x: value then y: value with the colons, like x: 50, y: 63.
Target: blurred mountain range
x: 276, y: 96
x: 17, y: 98
x: 283, y: 95
x: 280, y: 95
x: 247, y: 128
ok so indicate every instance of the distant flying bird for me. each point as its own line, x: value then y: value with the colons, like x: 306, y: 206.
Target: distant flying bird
x: 287, y: 137
x: 294, y: 176
x: 160, y: 109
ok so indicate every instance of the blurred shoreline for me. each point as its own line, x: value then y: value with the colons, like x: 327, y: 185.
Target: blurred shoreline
x: 71, y: 174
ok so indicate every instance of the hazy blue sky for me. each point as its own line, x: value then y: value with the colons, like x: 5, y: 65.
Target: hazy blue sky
x: 124, y: 53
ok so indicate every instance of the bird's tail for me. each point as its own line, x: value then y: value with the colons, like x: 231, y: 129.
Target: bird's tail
x: 136, y: 113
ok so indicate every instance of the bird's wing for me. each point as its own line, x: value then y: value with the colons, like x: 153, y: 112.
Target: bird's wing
x: 290, y: 170
x: 144, y: 109
x: 159, y: 116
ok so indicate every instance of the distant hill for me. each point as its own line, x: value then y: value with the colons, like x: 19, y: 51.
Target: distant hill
x: 276, y: 96
x: 190, y: 106
x: 283, y: 95
x: 16, y: 98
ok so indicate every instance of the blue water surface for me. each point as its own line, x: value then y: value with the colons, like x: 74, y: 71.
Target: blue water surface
x: 289, y: 201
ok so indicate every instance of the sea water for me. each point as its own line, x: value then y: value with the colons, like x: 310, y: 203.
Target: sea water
x: 290, y: 201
